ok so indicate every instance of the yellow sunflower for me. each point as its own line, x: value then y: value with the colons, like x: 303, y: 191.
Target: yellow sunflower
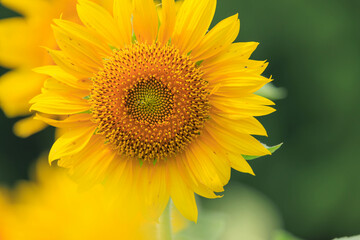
x: 5, y: 214
x: 52, y: 207
x: 21, y: 39
x: 152, y: 102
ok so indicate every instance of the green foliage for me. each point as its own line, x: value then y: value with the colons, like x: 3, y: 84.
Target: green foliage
x: 271, y: 149
x: 282, y: 235
x: 272, y: 92
x: 210, y: 226
x: 349, y: 238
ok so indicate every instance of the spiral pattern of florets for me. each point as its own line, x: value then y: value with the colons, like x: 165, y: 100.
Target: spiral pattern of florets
x: 149, y: 101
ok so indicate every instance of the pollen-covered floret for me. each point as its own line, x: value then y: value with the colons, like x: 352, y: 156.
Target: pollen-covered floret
x: 149, y: 101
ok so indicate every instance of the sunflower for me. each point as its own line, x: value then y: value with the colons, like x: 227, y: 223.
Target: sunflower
x: 153, y: 103
x: 5, y: 214
x: 50, y: 206
x: 20, y: 41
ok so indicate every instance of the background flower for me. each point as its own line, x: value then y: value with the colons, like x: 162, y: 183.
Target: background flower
x: 51, y: 206
x: 21, y: 42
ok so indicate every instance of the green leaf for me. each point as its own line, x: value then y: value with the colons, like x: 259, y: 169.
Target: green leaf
x: 349, y: 238
x: 272, y: 92
x: 283, y: 235
x: 271, y: 149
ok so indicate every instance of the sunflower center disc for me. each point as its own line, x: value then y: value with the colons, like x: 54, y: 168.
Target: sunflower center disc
x: 149, y: 101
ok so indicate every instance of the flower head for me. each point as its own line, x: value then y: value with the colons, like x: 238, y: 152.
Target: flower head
x: 21, y: 39
x: 157, y: 109
x: 50, y: 206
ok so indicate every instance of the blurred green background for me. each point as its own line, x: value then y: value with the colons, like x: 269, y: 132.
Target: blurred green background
x: 314, y: 52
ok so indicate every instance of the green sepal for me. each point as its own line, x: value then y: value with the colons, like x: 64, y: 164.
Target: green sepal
x: 86, y: 97
x: 87, y: 111
x: 113, y: 48
x: 271, y: 149
x: 133, y: 38
x: 141, y: 162
x: 198, y: 63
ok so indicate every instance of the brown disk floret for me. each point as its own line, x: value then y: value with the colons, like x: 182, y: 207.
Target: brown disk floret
x: 149, y: 101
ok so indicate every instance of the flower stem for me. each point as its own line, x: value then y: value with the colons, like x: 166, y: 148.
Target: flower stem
x: 165, y: 232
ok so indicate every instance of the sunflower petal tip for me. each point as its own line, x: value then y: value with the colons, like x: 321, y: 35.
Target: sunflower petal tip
x: 50, y: 160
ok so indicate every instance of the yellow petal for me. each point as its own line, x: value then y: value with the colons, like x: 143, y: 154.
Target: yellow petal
x: 154, y: 184
x: 214, y: 159
x: 63, y: 76
x: 71, y: 142
x: 236, y: 51
x: 14, y: 51
x: 97, y: 18
x: 57, y: 87
x: 234, y: 69
x: 145, y: 20
x: 122, y: 15
x: 91, y: 166
x: 240, y: 164
x: 168, y: 19
x: 107, y: 4
x: 85, y: 35
x: 236, y: 143
x: 69, y: 65
x: 16, y: 89
x: 236, y: 161
x: 70, y: 122
x: 245, y: 125
x: 78, y: 50
x: 178, y: 221
x: 121, y: 175
x: 58, y: 104
x: 191, y: 180
x: 203, y: 169
x: 193, y: 21
x: 28, y: 126
x: 217, y: 39
x: 182, y: 196
x: 245, y: 106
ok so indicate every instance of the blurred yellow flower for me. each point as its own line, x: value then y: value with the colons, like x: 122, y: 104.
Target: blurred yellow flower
x: 157, y: 109
x: 21, y: 39
x: 52, y: 207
